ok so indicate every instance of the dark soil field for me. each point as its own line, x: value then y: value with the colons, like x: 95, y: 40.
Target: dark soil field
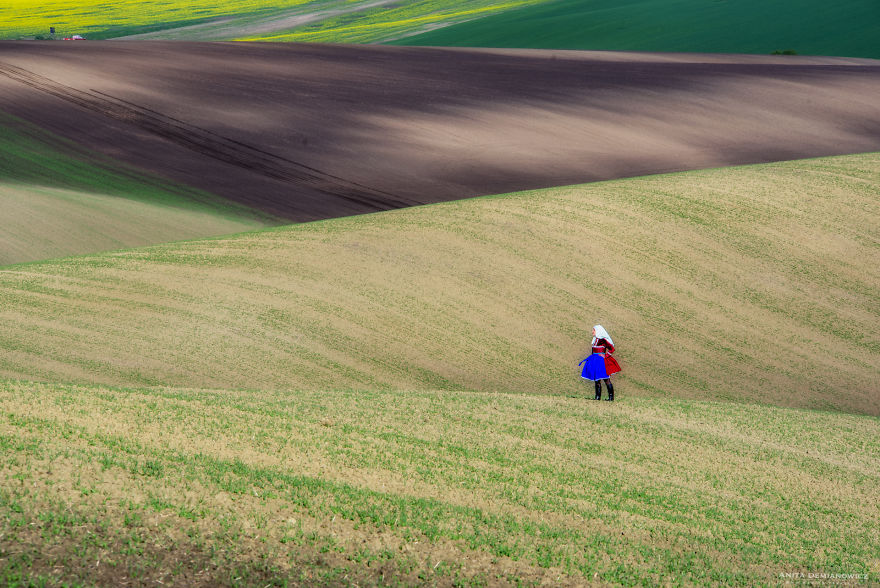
x: 315, y: 131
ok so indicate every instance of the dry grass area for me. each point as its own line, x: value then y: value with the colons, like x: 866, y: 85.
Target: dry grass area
x: 362, y: 487
x: 756, y: 284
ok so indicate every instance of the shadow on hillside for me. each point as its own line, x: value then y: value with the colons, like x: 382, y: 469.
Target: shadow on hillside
x: 316, y: 131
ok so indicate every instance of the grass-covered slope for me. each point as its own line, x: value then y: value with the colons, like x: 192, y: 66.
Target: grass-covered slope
x: 138, y: 486
x: 756, y: 283
x: 60, y: 199
x: 812, y: 27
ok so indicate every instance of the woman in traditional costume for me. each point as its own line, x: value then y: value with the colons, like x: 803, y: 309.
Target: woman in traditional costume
x: 600, y: 364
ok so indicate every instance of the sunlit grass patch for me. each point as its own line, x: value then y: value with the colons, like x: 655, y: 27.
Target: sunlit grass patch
x: 389, y: 22
x: 720, y: 284
x: 331, y: 20
x: 26, y: 17
x: 748, y: 26
x: 470, y: 487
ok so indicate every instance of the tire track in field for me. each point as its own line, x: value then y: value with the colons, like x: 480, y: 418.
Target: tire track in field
x: 209, y: 143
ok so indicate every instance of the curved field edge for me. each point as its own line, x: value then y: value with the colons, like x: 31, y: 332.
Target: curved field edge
x: 288, y: 20
x: 384, y: 23
x: 60, y: 199
x: 749, y: 26
x: 402, y: 486
x: 751, y: 284
x: 95, y: 19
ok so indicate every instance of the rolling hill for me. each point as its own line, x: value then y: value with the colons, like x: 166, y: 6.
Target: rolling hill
x: 402, y: 402
x: 306, y: 132
x: 815, y: 27
x: 392, y: 397
x: 850, y: 28
x: 753, y: 284
x: 60, y: 199
x: 109, y: 486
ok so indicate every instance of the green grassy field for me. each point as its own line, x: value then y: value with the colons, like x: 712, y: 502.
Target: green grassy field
x: 393, y: 399
x: 755, y: 284
x: 815, y: 27
x: 385, y: 23
x: 750, y: 26
x: 98, y: 19
x: 357, y: 21
x: 400, y: 487
x: 59, y: 199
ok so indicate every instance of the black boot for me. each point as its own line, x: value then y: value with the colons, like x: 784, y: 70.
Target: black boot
x: 610, y: 390
x: 598, y: 390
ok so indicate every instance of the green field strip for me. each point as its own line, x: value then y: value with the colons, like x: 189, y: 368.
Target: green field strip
x: 326, y: 20
x: 384, y: 23
x: 754, y: 273
x: 60, y: 199
x: 657, y: 489
x: 267, y: 21
x: 32, y: 156
x: 96, y: 19
x: 850, y: 29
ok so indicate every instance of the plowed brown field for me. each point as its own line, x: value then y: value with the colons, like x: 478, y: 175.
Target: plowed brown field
x: 317, y: 131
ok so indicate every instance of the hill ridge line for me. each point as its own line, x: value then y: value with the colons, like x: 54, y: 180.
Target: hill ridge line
x: 493, y: 294
x: 206, y: 142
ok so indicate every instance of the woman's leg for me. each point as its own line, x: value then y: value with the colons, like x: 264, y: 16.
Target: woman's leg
x: 610, y: 389
x: 598, y: 390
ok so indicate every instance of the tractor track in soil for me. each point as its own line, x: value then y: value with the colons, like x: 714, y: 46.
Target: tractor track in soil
x: 208, y: 143
x: 306, y: 132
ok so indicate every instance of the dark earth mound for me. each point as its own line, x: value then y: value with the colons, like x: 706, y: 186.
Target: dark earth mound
x: 317, y: 131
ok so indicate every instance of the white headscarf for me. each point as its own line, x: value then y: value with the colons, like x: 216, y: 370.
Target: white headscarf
x: 601, y: 333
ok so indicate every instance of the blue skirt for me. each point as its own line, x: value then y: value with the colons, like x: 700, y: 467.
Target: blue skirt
x: 594, y: 368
